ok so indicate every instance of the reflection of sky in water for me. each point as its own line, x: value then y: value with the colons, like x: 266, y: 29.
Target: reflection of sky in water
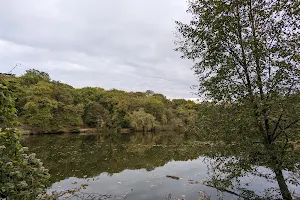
x: 106, y: 165
x: 142, y: 184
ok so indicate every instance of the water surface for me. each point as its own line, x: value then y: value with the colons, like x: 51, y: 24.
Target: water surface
x: 134, y: 166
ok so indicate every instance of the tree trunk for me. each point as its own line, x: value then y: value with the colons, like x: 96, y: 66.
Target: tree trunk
x: 284, y: 190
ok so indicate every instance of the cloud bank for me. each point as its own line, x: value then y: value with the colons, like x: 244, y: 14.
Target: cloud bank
x: 126, y: 45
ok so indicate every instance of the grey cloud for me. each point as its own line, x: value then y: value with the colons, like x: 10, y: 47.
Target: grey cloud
x: 112, y: 44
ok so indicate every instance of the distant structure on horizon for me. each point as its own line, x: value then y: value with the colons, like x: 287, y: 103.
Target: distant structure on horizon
x: 7, y: 74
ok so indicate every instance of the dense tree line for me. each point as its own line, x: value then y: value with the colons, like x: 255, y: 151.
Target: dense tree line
x: 48, y: 106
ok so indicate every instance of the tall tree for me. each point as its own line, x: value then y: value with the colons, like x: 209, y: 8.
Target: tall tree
x: 248, y: 52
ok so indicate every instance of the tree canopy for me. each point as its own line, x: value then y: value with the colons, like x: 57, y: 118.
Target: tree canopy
x: 48, y: 106
x: 246, y: 55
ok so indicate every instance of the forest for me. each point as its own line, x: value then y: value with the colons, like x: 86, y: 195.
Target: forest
x: 48, y: 106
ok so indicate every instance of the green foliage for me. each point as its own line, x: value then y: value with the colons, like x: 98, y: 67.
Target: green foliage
x: 67, y: 117
x: 7, y: 107
x: 38, y: 111
x: 142, y: 121
x: 95, y: 115
x: 153, y: 105
x: 49, y: 108
x: 87, y: 95
x: 246, y: 57
x: 234, y: 46
x: 22, y: 175
x: 33, y: 76
x: 178, y: 102
x: 239, y: 61
x: 46, y: 106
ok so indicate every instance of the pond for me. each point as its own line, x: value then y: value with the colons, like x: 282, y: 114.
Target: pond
x: 138, y: 166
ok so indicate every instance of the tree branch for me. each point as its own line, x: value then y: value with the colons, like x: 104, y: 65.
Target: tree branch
x: 229, y: 191
x: 277, y: 123
x: 283, y: 129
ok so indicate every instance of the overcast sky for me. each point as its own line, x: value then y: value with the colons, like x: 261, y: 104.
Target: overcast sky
x: 122, y: 44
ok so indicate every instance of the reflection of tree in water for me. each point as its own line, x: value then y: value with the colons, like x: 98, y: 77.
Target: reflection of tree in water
x: 228, y: 168
x: 90, y: 155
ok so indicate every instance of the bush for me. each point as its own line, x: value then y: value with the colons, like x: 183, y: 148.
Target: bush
x: 22, y: 175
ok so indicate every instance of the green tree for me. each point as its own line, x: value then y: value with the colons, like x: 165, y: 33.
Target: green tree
x: 67, y: 116
x: 33, y: 76
x: 246, y: 52
x: 22, y: 175
x: 38, y: 111
x: 142, y: 121
x: 178, y: 102
x: 62, y: 93
x: 50, y: 108
x: 87, y: 95
x: 153, y: 106
x: 95, y: 115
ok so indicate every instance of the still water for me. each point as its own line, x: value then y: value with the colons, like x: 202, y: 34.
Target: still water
x: 137, y: 166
